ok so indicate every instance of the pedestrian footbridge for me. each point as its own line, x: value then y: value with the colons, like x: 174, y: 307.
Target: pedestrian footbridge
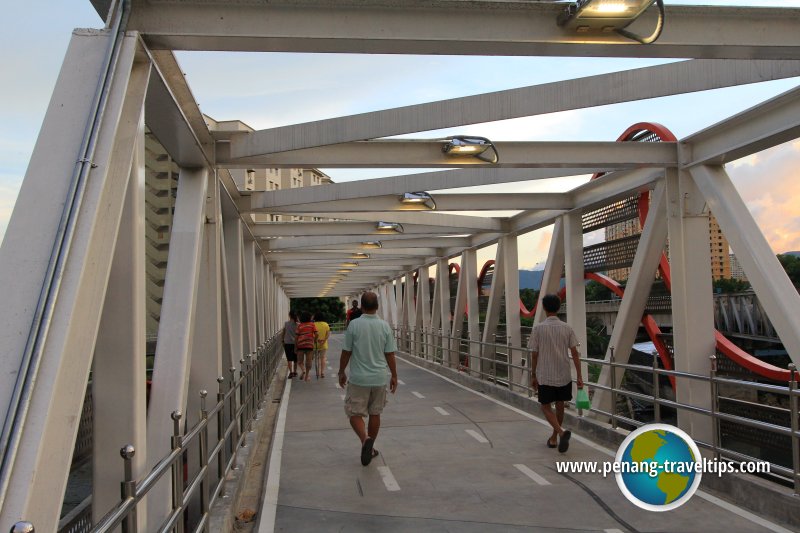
x: 452, y: 458
x: 154, y: 253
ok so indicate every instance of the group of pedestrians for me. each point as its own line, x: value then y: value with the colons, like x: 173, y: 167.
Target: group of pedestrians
x: 303, y: 337
x: 369, y: 350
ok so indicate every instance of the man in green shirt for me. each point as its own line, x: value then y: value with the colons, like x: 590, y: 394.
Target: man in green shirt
x: 369, y: 348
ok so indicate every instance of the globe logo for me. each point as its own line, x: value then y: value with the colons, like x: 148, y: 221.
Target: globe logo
x: 660, y: 467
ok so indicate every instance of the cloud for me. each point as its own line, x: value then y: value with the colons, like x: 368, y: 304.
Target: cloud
x: 769, y: 183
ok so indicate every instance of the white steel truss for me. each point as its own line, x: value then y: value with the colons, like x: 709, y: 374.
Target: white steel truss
x: 229, y: 279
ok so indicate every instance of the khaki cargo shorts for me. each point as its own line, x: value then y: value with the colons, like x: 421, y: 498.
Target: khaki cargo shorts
x: 363, y: 401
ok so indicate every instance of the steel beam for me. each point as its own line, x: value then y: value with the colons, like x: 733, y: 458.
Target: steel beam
x: 417, y: 27
x: 581, y: 93
x: 119, y: 406
x: 42, y: 424
x: 492, y: 319
x: 692, y: 297
x: 637, y: 291
x: 510, y: 266
x: 775, y: 291
x: 173, y: 358
x: 766, y: 125
x: 288, y: 229
x: 425, y: 181
x: 596, y: 156
x: 573, y: 277
x: 444, y: 202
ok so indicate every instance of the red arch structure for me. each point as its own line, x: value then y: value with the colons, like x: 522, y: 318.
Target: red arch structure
x: 658, y: 133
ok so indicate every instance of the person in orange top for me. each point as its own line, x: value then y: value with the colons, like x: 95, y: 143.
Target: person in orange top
x: 304, y: 343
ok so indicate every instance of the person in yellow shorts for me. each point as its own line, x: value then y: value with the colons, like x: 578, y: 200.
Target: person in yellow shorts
x: 323, y: 334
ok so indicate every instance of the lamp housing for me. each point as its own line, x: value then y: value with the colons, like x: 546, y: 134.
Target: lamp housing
x: 465, y: 145
x: 585, y: 16
x: 421, y: 198
x: 389, y: 227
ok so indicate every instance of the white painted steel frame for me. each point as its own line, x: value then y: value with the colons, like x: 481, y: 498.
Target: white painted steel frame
x: 215, y: 259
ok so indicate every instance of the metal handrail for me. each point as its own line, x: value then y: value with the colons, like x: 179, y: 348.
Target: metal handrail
x: 439, y: 347
x: 236, y: 407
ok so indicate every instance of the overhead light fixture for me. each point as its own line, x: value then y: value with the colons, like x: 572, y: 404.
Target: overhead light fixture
x: 345, y: 270
x: 359, y: 255
x: 584, y: 16
x: 349, y: 264
x: 389, y: 227
x: 372, y: 245
x: 421, y: 198
x: 465, y: 145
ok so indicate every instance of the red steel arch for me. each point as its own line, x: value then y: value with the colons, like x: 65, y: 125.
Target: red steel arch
x: 658, y: 133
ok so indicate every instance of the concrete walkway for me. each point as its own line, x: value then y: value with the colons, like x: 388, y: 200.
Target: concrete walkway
x: 450, y: 460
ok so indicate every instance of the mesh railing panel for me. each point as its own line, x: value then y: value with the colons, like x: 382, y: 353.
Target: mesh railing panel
x: 620, y: 211
x: 618, y: 253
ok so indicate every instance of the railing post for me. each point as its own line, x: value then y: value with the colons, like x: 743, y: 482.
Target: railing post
x: 794, y: 412
x: 128, y: 487
x: 242, y: 395
x: 177, y: 469
x: 204, y: 458
x: 221, y: 431
x: 714, y: 405
x: 250, y: 388
x: 613, y: 376
x: 234, y: 418
x: 656, y: 391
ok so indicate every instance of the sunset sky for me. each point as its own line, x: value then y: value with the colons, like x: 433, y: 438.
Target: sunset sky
x: 266, y: 90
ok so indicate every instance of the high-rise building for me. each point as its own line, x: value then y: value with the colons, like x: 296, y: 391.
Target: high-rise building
x: 736, y: 269
x: 718, y: 247
x: 161, y: 183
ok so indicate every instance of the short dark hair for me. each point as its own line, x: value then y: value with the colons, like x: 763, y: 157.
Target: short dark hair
x: 319, y: 316
x: 305, y: 316
x: 355, y: 303
x: 551, y: 303
x: 292, y: 315
x: 369, y: 301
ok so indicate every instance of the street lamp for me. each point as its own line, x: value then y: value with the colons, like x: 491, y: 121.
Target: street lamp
x: 419, y: 198
x: 464, y: 145
x: 610, y: 15
x: 389, y: 227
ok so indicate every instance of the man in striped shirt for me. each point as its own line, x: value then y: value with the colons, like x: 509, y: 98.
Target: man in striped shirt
x: 550, y: 342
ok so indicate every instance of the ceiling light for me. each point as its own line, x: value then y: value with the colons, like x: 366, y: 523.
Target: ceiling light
x: 478, y: 147
x: 349, y: 264
x: 584, y: 16
x: 343, y: 270
x: 359, y: 255
x: 371, y: 245
x: 418, y: 198
x: 389, y: 227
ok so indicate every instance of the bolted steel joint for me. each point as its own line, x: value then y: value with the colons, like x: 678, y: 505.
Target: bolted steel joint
x: 176, y: 415
x: 127, y: 451
x: 22, y: 527
x: 203, y: 393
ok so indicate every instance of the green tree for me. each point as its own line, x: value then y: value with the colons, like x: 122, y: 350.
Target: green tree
x: 596, y: 292
x: 730, y: 285
x: 791, y: 264
x: 333, y: 308
x: 596, y: 338
x: 529, y: 297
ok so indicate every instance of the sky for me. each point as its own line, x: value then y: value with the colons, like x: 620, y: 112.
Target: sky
x: 271, y: 89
